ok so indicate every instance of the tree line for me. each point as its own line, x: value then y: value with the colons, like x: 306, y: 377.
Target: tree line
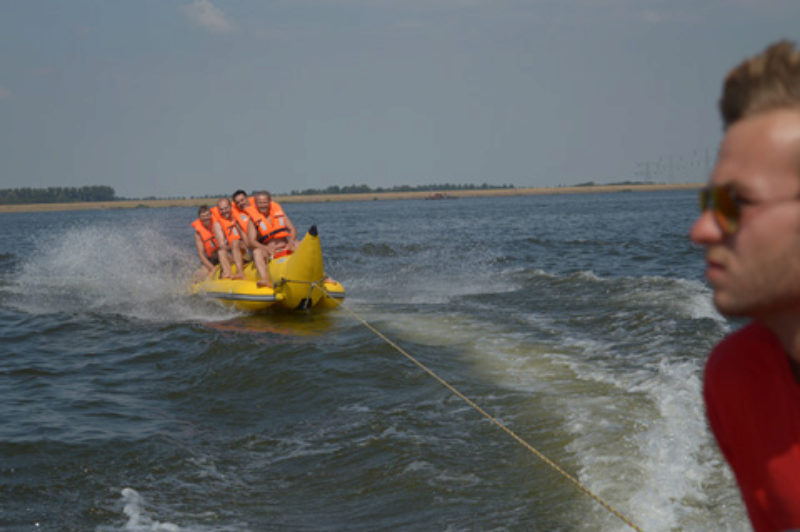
x: 10, y: 196
x: 365, y: 189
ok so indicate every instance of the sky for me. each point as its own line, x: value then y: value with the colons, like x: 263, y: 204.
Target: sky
x: 179, y: 98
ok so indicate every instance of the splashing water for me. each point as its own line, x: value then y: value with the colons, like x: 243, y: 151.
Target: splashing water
x: 137, y: 273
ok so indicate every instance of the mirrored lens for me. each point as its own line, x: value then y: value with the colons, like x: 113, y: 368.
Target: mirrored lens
x: 722, y: 201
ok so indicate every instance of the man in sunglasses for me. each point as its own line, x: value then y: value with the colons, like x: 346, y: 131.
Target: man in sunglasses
x: 750, y: 227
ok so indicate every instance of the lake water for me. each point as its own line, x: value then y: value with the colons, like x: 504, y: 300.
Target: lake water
x: 581, y: 322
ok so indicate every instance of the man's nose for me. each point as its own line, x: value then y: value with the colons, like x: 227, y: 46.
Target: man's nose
x: 705, y: 229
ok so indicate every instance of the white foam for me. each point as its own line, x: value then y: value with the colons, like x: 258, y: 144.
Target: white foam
x: 687, y: 297
x: 698, y: 303
x: 139, y: 513
x: 419, y: 465
x: 645, y: 445
x: 588, y: 275
x: 138, y: 518
x: 356, y: 408
x: 673, y: 470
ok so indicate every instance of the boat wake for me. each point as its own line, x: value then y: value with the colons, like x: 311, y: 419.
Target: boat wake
x: 598, y: 382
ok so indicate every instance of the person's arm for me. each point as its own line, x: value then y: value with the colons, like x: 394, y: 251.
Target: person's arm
x: 244, y: 231
x: 252, y: 240
x: 219, y: 234
x: 201, y: 252
x: 292, y: 230
x: 252, y: 236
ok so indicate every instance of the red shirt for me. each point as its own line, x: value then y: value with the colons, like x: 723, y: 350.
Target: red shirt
x: 753, y: 406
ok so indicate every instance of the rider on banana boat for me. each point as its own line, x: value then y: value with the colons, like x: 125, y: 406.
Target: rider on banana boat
x: 229, y: 235
x: 240, y: 202
x: 208, y: 248
x: 270, y: 233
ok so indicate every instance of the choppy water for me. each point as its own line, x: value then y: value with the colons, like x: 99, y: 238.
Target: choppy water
x: 580, y: 321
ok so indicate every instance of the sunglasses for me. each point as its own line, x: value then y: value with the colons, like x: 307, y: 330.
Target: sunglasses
x: 724, y: 204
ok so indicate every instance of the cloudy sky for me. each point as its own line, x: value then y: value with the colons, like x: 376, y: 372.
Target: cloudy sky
x: 192, y: 97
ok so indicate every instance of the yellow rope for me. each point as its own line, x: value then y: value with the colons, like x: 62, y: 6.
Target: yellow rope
x: 494, y: 420
x: 312, y: 283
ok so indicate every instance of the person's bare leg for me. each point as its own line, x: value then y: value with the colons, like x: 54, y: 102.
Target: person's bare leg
x: 237, y: 259
x: 225, y: 264
x: 260, y: 260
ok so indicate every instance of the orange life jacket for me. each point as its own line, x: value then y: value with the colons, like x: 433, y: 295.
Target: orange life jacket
x: 241, y: 218
x: 229, y: 227
x: 209, y: 242
x: 272, y: 226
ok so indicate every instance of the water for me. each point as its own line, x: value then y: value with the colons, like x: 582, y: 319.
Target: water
x: 579, y: 321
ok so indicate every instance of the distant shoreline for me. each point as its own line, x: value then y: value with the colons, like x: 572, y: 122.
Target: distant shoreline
x: 368, y: 196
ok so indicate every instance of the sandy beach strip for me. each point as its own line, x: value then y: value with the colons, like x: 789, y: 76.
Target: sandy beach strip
x: 368, y: 196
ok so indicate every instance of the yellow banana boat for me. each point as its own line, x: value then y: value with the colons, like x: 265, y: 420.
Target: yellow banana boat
x: 299, y: 282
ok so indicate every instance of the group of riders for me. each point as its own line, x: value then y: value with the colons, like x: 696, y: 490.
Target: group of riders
x: 243, y: 228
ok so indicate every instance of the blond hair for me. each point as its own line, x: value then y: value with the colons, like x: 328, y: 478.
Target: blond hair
x: 765, y: 82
